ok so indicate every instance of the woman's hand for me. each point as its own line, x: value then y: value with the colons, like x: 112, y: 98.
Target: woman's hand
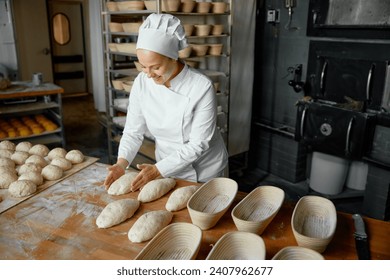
x: 148, y: 173
x: 114, y: 172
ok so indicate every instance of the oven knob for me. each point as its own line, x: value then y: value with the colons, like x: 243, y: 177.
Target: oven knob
x: 326, y: 129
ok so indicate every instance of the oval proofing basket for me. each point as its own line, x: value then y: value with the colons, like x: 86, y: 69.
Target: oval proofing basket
x: 208, y: 204
x: 177, y: 241
x: 238, y: 245
x: 257, y: 209
x: 313, y: 222
x: 297, y: 253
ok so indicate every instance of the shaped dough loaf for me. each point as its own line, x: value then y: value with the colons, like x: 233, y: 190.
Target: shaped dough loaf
x: 116, y: 212
x: 148, y: 225
x: 22, y: 188
x: 156, y: 189
x: 62, y: 163
x: 33, y: 176
x: 23, y: 146
x: 39, y: 149
x: 56, y: 152
x: 52, y: 172
x: 75, y: 156
x: 6, y: 179
x: 123, y: 184
x: 20, y: 157
x: 179, y: 198
x: 7, y: 145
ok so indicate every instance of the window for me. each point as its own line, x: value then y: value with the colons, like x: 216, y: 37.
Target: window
x: 61, y: 29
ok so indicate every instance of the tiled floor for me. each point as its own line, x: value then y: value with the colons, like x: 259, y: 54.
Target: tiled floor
x: 84, y: 132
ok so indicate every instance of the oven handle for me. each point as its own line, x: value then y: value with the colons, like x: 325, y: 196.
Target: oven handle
x: 323, y: 72
x: 303, y: 121
x: 348, y: 138
x: 369, y: 78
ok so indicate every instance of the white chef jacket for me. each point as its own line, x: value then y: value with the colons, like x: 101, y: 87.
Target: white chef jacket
x: 182, y: 120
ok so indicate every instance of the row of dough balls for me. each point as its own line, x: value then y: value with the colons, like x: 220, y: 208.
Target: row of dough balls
x: 25, y: 166
x: 25, y: 126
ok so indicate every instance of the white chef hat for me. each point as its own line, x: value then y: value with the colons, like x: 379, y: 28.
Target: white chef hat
x: 163, y: 34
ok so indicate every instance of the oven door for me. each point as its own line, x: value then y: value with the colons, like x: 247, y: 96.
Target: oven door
x: 334, y: 130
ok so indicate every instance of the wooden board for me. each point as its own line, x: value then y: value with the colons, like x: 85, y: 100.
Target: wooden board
x: 10, y: 201
x: 60, y: 224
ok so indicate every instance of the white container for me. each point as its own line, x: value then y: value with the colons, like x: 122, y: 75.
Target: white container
x: 328, y: 173
x: 357, y: 175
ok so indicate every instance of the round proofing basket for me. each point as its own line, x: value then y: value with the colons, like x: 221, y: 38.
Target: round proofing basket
x: 200, y: 49
x: 131, y: 27
x: 297, y: 253
x: 238, y: 245
x: 208, y: 204
x: 131, y: 5
x: 256, y: 211
x: 313, y: 222
x: 177, y: 241
x: 170, y: 5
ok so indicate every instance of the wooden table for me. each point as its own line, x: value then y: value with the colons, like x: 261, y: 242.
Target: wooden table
x: 59, y: 223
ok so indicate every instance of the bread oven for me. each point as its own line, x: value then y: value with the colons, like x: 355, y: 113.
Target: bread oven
x: 348, y: 86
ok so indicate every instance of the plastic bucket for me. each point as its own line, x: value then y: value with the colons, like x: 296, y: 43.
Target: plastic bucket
x: 328, y: 173
x: 357, y: 175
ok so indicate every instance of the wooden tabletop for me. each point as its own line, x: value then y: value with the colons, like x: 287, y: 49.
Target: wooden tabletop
x: 26, y: 89
x: 60, y: 223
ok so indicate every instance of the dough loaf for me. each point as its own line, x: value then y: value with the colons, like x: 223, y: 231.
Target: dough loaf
x: 56, y: 152
x: 6, y: 179
x: 20, y: 157
x: 7, y: 162
x: 116, y: 212
x: 156, y: 189
x: 33, y: 176
x: 148, y: 225
x: 123, y: 184
x: 29, y: 167
x: 62, y: 163
x: 52, y: 172
x: 37, y: 160
x: 7, y: 145
x: 39, y: 149
x: 179, y: 198
x: 22, y: 188
x: 23, y: 146
x: 75, y: 156
x: 6, y: 153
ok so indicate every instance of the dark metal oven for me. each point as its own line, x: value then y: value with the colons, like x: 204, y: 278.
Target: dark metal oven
x: 349, y: 19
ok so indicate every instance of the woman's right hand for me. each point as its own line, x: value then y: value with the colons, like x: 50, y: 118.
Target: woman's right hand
x: 114, y: 172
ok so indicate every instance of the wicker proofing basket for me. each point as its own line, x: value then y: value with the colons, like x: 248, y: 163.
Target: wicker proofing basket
x: 257, y: 209
x: 297, y: 253
x: 313, y: 222
x: 208, y: 204
x: 238, y: 245
x: 177, y: 241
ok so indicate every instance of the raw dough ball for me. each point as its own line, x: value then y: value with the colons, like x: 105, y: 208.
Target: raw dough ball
x: 33, y: 176
x: 6, y: 179
x: 156, y: 189
x: 23, y: 146
x: 22, y: 188
x: 179, y: 198
x: 20, y: 157
x: 148, y: 225
x: 29, y: 167
x: 62, y: 163
x: 7, y: 145
x: 117, y: 212
x: 52, y: 172
x: 56, y: 152
x: 123, y: 184
x: 37, y: 160
x: 7, y: 162
x: 39, y: 149
x: 6, y: 169
x: 75, y: 156
x: 6, y: 153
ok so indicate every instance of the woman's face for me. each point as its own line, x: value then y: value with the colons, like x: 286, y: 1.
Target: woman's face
x: 158, y: 67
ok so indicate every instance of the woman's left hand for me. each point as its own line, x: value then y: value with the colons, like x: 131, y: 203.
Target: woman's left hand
x: 148, y: 173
